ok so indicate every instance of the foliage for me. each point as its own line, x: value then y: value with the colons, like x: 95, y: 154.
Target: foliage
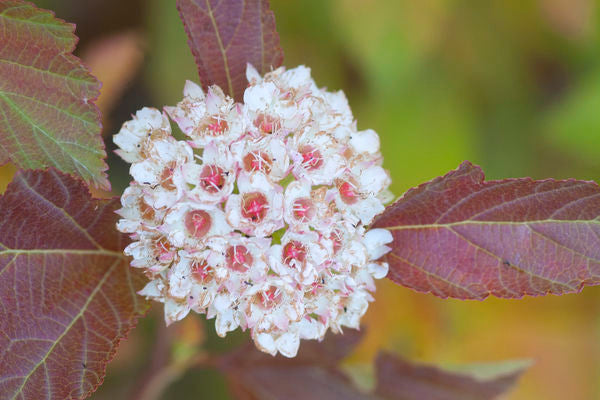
x: 458, y: 236
x: 315, y: 373
x: 225, y: 35
x: 68, y: 293
x: 47, y: 96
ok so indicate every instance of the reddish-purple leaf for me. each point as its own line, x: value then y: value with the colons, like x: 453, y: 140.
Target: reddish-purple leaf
x: 47, y: 113
x: 459, y: 236
x: 400, y: 379
x: 67, y: 293
x: 313, y: 374
x: 225, y: 35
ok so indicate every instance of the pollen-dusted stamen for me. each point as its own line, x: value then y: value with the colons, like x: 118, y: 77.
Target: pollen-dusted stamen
x: 155, y: 134
x: 348, y: 192
x: 336, y: 238
x: 166, y: 177
x: 270, y: 297
x: 265, y: 123
x: 201, y: 271
x: 311, y: 157
x: 255, y: 206
x: 163, y: 250
x: 212, y: 178
x: 238, y: 258
x: 257, y: 161
x: 146, y: 212
x: 217, y: 127
x: 304, y: 209
x: 198, y: 223
x: 294, y: 253
x: 315, y: 287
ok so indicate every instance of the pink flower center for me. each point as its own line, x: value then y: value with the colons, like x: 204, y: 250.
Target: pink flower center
x: 212, y: 178
x: 315, y: 287
x: 238, y: 258
x: 270, y: 297
x: 311, y: 157
x: 254, y: 206
x: 303, y: 209
x: 217, y: 127
x: 336, y: 238
x: 201, y: 271
x: 163, y: 250
x: 348, y: 192
x: 257, y: 161
x: 198, y: 223
x: 293, y: 253
x: 264, y: 123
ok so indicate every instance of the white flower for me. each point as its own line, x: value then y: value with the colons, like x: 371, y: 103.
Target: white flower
x: 305, y: 208
x: 213, y: 117
x: 154, y: 253
x: 365, y: 142
x: 355, y: 307
x: 299, y: 256
x: 259, y: 219
x: 214, y: 179
x: 375, y: 241
x: 356, y: 196
x: 137, y: 214
x: 258, y: 209
x: 316, y: 157
x: 268, y: 112
x: 136, y: 136
x: 188, y: 225
x: 163, y: 172
x: 267, y: 154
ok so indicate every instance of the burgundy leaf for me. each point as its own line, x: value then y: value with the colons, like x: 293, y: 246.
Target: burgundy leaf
x: 225, y: 35
x: 68, y: 295
x: 400, y: 379
x: 47, y: 113
x: 313, y: 374
x: 459, y: 236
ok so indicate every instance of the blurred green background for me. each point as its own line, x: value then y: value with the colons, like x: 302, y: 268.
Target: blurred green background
x: 511, y: 85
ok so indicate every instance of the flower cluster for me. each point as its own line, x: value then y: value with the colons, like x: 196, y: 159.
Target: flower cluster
x: 259, y: 217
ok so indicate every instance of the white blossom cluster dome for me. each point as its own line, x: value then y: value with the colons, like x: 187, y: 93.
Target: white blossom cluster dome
x: 258, y: 218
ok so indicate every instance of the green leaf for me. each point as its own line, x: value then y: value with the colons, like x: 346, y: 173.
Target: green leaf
x: 47, y: 113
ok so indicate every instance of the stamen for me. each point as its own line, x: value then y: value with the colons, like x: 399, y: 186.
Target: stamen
x: 163, y: 250
x: 303, y: 209
x: 348, y: 192
x: 212, y: 178
x: 257, y: 161
x: 166, y: 177
x: 264, y: 123
x: 270, y: 297
x: 198, y: 223
x: 311, y: 157
x: 201, y: 271
x: 146, y: 211
x: 238, y: 258
x: 255, y: 206
x: 294, y: 253
x: 218, y: 127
